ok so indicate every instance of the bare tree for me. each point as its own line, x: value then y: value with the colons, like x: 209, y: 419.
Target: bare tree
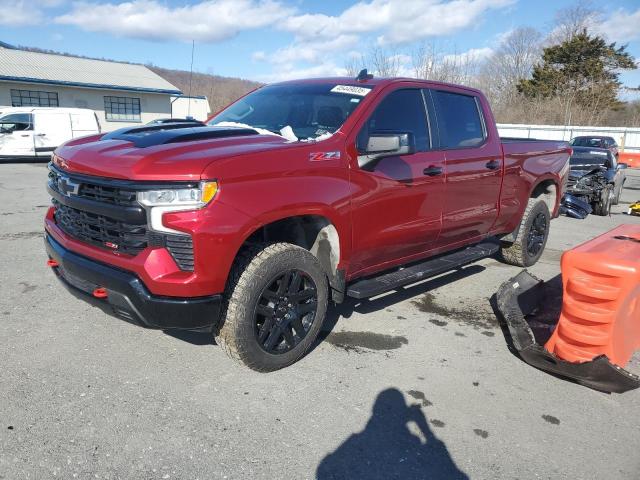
x: 512, y: 61
x: 354, y: 64
x: 573, y: 20
x: 431, y: 63
x: 385, y: 63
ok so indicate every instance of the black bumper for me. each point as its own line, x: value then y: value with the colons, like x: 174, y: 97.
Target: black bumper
x: 127, y: 297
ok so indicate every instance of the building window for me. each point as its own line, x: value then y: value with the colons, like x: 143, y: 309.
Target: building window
x: 122, y: 109
x: 33, y: 98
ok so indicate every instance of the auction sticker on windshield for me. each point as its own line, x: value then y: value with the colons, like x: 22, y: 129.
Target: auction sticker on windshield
x: 351, y: 89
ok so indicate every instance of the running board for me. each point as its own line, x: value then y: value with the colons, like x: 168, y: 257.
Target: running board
x: 415, y: 273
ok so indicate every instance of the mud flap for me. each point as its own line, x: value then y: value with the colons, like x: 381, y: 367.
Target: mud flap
x: 523, y: 296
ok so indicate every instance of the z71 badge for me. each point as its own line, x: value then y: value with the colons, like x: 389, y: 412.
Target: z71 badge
x: 320, y: 156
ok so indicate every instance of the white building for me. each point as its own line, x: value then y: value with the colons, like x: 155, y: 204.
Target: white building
x: 121, y: 94
x: 195, y: 106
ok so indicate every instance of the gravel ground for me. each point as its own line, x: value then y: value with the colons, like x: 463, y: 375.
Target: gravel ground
x: 416, y: 384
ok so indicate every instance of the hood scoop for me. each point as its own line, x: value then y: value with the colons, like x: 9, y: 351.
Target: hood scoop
x: 151, y: 136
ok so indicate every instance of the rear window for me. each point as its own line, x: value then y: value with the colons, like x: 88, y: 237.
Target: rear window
x: 459, y: 121
x: 594, y: 142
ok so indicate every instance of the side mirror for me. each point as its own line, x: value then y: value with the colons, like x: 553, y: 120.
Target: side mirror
x: 622, y: 166
x: 381, y: 145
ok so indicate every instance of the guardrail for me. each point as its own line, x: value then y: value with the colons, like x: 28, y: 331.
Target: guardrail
x: 628, y: 138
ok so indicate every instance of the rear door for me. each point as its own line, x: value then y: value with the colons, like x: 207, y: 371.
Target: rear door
x: 84, y: 123
x: 16, y: 135
x: 397, y: 201
x: 474, y: 163
x: 51, y: 129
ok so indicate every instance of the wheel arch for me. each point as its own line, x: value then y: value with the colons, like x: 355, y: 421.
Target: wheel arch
x: 313, y: 231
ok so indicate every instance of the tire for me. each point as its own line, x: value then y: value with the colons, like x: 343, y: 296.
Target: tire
x: 616, y: 200
x: 532, y: 237
x: 603, y: 206
x: 273, y: 288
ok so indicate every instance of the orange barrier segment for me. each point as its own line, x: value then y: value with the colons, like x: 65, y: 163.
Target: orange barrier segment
x: 632, y: 159
x: 601, y: 302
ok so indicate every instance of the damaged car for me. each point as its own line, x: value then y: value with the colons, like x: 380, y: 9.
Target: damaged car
x: 596, y: 180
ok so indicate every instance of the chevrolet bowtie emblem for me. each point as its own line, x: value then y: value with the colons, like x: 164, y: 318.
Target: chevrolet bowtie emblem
x: 67, y: 187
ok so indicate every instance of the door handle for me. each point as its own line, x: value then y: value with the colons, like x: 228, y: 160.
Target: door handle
x: 41, y: 134
x: 493, y: 165
x: 432, y: 171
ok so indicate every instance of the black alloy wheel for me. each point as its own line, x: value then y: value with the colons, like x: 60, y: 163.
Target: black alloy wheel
x: 537, y: 234
x: 285, y: 311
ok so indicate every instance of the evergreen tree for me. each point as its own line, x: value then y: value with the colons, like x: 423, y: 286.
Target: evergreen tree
x: 584, y: 68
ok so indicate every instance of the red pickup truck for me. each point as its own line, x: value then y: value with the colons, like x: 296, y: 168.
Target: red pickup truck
x: 298, y: 194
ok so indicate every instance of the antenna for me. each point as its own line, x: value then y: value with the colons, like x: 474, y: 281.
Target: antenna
x: 363, y: 76
x: 193, y: 47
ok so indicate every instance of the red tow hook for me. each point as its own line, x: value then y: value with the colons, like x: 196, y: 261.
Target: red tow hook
x: 100, y: 292
x: 52, y: 263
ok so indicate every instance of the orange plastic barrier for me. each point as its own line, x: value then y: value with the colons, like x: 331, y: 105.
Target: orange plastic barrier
x: 601, y: 303
x: 631, y: 159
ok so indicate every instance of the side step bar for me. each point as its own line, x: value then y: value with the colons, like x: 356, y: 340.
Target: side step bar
x: 421, y: 271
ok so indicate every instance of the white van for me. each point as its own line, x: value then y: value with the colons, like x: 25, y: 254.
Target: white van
x: 34, y: 132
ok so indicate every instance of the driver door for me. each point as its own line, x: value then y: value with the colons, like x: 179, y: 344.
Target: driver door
x: 398, y: 199
x: 16, y: 135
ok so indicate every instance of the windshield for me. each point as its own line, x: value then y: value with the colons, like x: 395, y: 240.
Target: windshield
x: 297, y: 112
x: 592, y: 158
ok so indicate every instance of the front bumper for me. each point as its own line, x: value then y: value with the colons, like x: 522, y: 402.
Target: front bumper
x: 127, y: 297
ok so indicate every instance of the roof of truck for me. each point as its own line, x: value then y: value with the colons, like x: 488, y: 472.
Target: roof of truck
x: 374, y: 82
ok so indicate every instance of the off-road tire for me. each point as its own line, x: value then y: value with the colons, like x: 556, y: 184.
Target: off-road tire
x: 517, y: 253
x: 254, y: 268
x: 603, y: 206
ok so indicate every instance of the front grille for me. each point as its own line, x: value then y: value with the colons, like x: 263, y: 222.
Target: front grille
x: 110, y: 233
x: 101, y: 231
x: 99, y: 192
x: 122, y: 237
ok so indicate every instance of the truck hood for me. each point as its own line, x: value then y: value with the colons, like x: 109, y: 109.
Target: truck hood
x: 161, y: 153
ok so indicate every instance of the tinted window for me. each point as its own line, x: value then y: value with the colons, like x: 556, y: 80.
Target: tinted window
x: 459, y: 121
x: 16, y: 121
x: 401, y: 111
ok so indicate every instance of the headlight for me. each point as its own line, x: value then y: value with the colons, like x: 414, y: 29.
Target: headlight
x: 159, y: 202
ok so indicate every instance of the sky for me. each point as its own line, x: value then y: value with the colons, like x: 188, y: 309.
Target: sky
x: 271, y: 40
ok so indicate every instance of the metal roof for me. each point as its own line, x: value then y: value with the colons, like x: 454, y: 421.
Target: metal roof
x: 45, y: 68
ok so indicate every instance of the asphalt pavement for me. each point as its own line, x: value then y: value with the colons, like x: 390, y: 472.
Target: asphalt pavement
x: 416, y: 384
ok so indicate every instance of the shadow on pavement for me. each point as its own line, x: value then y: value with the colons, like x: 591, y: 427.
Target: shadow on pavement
x: 350, y: 305
x: 388, y: 449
